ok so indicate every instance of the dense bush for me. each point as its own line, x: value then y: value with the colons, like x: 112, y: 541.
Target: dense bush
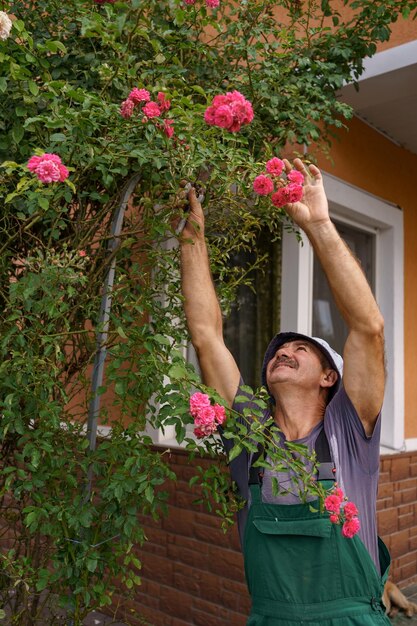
x: 69, y: 508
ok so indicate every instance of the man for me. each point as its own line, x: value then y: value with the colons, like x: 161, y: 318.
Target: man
x: 299, y: 567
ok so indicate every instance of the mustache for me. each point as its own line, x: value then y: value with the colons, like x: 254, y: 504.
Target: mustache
x: 284, y: 359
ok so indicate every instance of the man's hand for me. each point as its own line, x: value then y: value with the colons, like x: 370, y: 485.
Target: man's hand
x: 313, y: 209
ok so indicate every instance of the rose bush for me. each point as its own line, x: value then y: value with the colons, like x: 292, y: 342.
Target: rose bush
x: 97, y: 98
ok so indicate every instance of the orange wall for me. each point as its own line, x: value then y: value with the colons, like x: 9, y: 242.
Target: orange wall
x: 368, y: 160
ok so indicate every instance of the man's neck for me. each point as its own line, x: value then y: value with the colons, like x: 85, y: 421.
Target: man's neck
x: 297, y: 416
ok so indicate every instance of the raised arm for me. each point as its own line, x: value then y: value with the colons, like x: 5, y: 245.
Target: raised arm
x: 202, y: 310
x: 364, y: 362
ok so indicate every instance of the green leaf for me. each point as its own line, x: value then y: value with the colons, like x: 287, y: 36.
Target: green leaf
x: 177, y: 371
x: 43, y: 202
x: 91, y: 564
x: 18, y: 132
x: 235, y: 451
x: 3, y: 84
x: 33, y: 88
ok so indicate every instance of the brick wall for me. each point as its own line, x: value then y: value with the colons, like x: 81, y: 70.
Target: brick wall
x: 397, y: 514
x: 193, y: 573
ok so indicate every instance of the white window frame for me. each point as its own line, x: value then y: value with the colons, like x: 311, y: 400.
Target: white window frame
x: 358, y: 208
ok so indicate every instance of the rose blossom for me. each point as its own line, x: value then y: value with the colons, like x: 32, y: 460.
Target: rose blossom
x: 285, y: 195
x: 48, y: 172
x: 213, y: 4
x: 223, y: 116
x: 229, y: 111
x: 295, y: 177
x: 207, y: 417
x: 295, y: 192
x: 280, y: 198
x: 197, y: 401
x: 350, y: 510
x: 5, y: 25
x: 332, y: 503
x: 219, y: 413
x: 263, y: 185
x: 334, y: 518
x: 168, y: 129
x: 139, y: 95
x: 351, y: 527
x: 209, y: 115
x: 48, y: 168
x: 151, y: 109
x: 126, y: 108
x: 274, y: 166
x: 163, y: 103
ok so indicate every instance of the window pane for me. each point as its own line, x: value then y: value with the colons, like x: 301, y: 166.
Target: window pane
x: 254, y: 318
x: 327, y: 321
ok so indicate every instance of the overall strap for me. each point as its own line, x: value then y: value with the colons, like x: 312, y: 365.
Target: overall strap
x: 326, y: 469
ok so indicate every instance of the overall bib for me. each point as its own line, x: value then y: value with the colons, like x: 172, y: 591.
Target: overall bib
x: 301, y: 570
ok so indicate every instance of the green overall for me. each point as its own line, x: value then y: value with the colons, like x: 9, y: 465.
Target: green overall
x: 301, y: 570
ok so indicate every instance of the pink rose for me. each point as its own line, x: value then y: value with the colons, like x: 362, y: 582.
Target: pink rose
x: 239, y: 111
x: 350, y: 510
x: 48, y: 168
x: 295, y: 177
x: 209, y: 115
x: 223, y: 116
x: 197, y: 401
x: 63, y: 172
x: 220, y: 100
x: 163, y: 103
x: 280, y: 198
x: 151, y: 110
x: 168, y: 129
x: 263, y: 185
x: 332, y: 503
x: 249, y: 113
x: 295, y: 192
x: 230, y: 110
x: 351, y: 527
x: 33, y: 163
x: 334, y: 518
x: 126, y: 108
x: 48, y: 172
x: 219, y: 413
x: 213, y: 4
x: 338, y: 492
x: 139, y: 95
x: 274, y: 166
x: 190, y: 2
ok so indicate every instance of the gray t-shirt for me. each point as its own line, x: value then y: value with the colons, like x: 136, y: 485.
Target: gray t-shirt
x: 355, y: 456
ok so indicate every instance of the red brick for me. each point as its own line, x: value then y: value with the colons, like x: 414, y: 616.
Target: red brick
x: 400, y: 467
x: 175, y: 603
x: 158, y: 568
x: 409, y: 495
x: 226, y: 563
x: 387, y: 521
x: 180, y: 521
x: 399, y: 543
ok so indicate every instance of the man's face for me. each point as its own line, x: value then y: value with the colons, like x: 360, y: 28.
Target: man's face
x: 296, y: 362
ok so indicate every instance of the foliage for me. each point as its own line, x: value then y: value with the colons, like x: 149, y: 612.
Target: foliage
x: 69, y: 511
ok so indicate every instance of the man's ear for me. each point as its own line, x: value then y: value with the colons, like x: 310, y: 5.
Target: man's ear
x: 329, y: 378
